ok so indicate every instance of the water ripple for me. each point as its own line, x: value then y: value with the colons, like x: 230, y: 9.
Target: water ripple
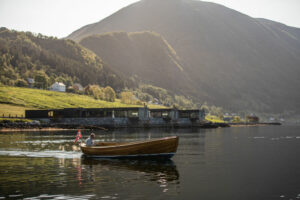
x: 61, y: 196
x: 44, y: 141
x: 43, y: 154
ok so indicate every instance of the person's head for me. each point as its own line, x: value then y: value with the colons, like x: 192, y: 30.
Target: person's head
x: 92, y: 135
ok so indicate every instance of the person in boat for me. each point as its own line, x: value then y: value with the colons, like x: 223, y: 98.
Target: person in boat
x: 90, y: 140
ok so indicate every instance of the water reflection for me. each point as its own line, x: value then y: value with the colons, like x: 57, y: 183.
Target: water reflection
x: 158, y: 170
x: 166, y: 168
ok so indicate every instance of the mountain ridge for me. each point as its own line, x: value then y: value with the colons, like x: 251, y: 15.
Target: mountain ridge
x: 233, y: 60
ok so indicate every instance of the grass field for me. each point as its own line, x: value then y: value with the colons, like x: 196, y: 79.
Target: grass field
x: 15, y: 100
x: 214, y: 119
x: 12, y: 110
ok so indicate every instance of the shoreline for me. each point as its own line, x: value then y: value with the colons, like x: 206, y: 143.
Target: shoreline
x: 36, y: 129
x: 245, y: 125
x: 66, y: 128
x: 254, y: 124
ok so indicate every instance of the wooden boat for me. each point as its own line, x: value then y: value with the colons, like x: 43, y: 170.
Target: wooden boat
x: 163, y: 147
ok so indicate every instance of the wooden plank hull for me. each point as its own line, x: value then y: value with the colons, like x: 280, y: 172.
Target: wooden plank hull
x: 164, y: 147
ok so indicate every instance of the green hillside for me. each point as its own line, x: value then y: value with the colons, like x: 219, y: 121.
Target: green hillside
x: 15, y: 100
x: 47, y: 59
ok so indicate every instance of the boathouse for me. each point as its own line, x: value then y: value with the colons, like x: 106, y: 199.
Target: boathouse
x: 118, y: 117
x: 159, y: 117
x: 190, y: 117
x: 90, y: 116
x: 252, y: 119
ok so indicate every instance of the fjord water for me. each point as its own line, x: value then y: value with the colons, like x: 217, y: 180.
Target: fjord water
x: 225, y: 163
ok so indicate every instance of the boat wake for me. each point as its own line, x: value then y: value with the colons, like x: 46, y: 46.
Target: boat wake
x: 43, y: 154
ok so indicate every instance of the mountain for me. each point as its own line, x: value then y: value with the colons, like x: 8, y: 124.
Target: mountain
x: 145, y: 55
x: 232, y: 60
x: 23, y: 55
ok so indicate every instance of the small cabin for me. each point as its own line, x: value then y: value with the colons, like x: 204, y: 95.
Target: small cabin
x: 252, y: 119
x: 59, y: 87
x: 30, y: 82
x: 193, y: 115
x: 228, y: 118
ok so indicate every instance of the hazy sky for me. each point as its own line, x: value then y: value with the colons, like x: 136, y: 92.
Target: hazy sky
x: 61, y: 17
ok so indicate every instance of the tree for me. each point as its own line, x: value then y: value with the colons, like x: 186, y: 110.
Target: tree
x: 88, y: 90
x: 128, y: 97
x: 21, y: 83
x: 109, y: 94
x: 41, y: 79
x: 205, y: 107
x: 10, y: 73
x: 214, y: 110
x: 94, y: 90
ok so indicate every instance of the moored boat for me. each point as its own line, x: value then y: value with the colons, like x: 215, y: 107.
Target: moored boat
x: 162, y: 147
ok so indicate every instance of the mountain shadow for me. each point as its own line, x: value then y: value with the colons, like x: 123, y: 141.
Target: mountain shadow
x: 143, y: 55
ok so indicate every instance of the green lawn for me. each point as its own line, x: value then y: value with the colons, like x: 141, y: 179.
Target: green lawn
x: 12, y: 110
x: 214, y: 119
x: 15, y: 100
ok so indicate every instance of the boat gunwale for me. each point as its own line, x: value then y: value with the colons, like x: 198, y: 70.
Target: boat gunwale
x: 129, y: 143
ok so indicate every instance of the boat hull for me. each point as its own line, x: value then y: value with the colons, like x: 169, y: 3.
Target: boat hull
x: 164, y: 147
x: 142, y: 156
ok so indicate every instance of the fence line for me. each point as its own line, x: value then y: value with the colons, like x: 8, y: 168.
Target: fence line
x: 12, y: 116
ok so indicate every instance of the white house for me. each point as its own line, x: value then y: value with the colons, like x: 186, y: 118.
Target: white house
x: 57, y: 86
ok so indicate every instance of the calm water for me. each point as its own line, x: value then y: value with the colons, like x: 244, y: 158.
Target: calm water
x: 229, y: 163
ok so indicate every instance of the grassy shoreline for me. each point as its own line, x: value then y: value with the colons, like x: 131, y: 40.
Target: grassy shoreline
x: 15, y: 100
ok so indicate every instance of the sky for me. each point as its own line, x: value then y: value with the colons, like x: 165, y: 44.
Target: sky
x: 61, y: 17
